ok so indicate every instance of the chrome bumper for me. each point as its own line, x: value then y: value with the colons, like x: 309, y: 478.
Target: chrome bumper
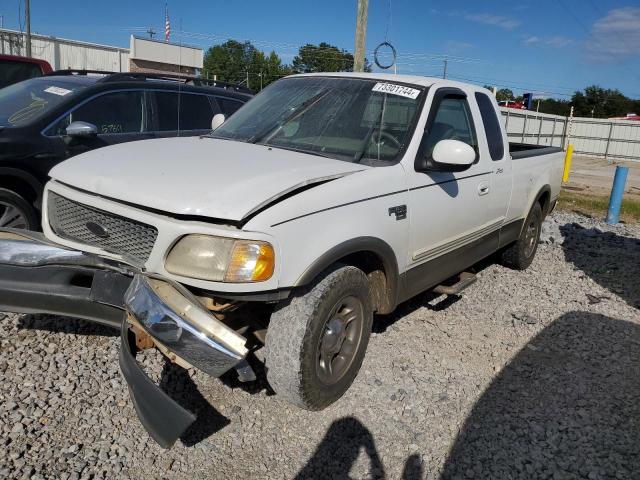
x: 181, y: 326
x: 39, y: 277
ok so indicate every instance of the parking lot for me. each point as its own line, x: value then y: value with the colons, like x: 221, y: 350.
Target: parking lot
x: 529, y: 374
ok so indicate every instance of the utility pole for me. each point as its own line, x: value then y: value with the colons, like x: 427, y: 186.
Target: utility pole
x: 27, y: 17
x: 151, y: 32
x: 361, y: 36
x: 444, y: 73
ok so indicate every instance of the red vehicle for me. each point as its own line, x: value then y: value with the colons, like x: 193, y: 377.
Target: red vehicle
x: 630, y: 116
x: 14, y: 69
x: 512, y: 104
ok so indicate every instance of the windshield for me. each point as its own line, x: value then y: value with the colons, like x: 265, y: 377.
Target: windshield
x: 355, y: 120
x: 25, y: 102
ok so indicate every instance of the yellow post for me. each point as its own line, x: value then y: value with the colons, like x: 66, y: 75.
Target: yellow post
x: 567, y: 163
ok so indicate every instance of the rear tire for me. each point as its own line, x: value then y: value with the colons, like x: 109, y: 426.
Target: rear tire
x: 316, y: 343
x: 521, y: 253
x: 16, y: 212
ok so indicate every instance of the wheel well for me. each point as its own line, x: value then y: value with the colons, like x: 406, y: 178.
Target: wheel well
x: 373, y: 266
x: 544, y: 199
x: 21, y: 187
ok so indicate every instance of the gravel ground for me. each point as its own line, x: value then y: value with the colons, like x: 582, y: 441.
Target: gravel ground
x: 529, y: 374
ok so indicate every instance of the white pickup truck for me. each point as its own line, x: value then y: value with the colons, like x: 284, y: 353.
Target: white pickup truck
x: 324, y: 200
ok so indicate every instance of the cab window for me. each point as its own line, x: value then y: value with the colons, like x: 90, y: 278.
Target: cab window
x: 453, y: 121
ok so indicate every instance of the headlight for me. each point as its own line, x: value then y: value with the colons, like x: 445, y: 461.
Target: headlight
x: 221, y: 259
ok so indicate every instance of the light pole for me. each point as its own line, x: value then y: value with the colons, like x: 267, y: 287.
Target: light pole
x: 27, y: 17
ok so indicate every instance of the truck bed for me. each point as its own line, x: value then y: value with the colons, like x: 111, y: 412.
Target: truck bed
x: 525, y: 150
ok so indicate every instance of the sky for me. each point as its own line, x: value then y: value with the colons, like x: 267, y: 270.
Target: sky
x: 548, y: 47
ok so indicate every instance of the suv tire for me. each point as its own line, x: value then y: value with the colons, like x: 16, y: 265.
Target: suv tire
x: 16, y: 212
x: 520, y: 254
x: 316, y: 342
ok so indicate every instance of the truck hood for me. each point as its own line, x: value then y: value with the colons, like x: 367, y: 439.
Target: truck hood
x: 206, y: 177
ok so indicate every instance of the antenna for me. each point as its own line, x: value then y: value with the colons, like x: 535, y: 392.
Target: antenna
x: 180, y: 72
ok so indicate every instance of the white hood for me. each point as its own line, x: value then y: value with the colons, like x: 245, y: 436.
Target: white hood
x: 197, y: 176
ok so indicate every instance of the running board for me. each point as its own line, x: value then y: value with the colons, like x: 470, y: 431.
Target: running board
x: 464, y: 280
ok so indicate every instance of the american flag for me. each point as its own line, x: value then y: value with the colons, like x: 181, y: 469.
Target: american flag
x: 167, y: 24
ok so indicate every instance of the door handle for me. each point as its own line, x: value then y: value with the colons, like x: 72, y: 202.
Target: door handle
x: 483, y: 188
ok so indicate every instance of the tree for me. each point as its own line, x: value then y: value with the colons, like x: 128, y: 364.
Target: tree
x: 504, y: 94
x: 324, y: 58
x: 234, y: 62
x: 601, y: 103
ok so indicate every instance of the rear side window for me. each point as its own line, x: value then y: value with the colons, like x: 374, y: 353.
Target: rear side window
x: 228, y: 105
x: 195, y: 112
x: 166, y: 111
x: 491, y: 126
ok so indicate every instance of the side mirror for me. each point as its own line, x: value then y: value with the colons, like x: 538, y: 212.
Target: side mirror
x: 453, y: 156
x: 218, y: 119
x: 81, y: 130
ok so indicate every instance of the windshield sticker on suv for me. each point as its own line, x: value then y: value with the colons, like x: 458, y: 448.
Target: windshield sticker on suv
x: 396, y: 90
x: 57, y: 91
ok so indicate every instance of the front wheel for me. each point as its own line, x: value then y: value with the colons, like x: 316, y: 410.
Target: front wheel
x: 520, y: 254
x: 16, y: 212
x: 316, y: 343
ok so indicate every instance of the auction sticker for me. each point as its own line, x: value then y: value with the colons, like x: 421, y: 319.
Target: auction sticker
x: 57, y: 91
x: 394, y: 89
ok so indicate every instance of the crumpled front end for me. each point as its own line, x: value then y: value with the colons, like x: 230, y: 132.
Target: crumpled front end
x: 37, y: 276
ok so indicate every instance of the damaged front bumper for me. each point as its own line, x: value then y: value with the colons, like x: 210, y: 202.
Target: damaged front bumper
x: 39, y: 277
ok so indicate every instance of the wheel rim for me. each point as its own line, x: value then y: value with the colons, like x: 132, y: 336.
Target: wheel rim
x: 530, y: 238
x: 11, y: 216
x: 340, y: 339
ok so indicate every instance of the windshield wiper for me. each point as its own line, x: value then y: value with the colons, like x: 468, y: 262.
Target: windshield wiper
x: 272, y: 131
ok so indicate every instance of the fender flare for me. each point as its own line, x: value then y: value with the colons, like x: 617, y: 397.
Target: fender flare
x: 544, y: 189
x: 32, y: 181
x: 357, y: 245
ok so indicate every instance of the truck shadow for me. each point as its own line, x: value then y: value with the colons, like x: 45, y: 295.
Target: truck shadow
x: 56, y: 324
x: 566, y: 406
x: 618, y: 260
x: 176, y: 382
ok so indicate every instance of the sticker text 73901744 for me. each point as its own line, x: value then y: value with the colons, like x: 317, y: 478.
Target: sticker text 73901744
x: 393, y: 89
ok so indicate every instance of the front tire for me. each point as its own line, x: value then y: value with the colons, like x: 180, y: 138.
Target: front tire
x: 520, y: 254
x: 16, y: 212
x: 316, y: 343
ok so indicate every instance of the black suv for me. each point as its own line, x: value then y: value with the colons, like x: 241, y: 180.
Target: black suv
x: 46, y: 120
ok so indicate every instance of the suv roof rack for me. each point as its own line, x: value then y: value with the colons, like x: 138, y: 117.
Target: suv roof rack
x: 73, y: 71
x: 187, y: 79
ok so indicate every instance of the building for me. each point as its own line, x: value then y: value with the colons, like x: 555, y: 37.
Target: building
x: 144, y: 55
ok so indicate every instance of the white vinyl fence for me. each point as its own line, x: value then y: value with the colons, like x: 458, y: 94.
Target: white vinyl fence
x: 614, y: 139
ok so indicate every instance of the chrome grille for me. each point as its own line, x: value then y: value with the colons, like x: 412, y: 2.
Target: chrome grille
x: 83, y: 224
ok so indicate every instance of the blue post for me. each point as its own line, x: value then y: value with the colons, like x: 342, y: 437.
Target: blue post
x: 615, y: 201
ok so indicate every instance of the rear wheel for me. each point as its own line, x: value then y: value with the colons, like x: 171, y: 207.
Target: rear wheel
x: 520, y: 254
x: 16, y: 212
x: 316, y: 343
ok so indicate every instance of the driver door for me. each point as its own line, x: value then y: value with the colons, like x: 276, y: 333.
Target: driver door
x: 449, y: 210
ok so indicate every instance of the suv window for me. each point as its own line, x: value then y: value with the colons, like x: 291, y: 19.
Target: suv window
x: 491, y: 126
x: 196, y: 112
x: 12, y: 71
x: 116, y: 112
x: 228, y: 105
x: 453, y: 121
